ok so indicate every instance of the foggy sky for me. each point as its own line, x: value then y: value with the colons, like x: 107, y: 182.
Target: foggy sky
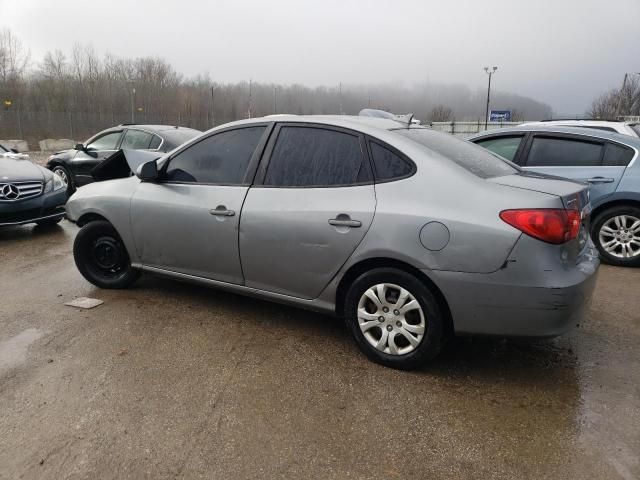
x: 562, y: 52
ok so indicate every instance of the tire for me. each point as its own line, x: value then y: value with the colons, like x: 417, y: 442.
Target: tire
x: 49, y: 223
x: 616, y: 234
x: 101, y: 256
x: 407, y: 355
x: 64, y: 174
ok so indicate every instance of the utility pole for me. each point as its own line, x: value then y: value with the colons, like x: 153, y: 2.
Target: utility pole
x: 490, y: 73
x: 621, y: 92
x: 340, y: 94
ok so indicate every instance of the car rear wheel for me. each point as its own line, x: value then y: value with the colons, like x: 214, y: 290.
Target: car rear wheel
x: 64, y: 175
x: 616, y: 233
x: 395, y: 319
x: 101, y: 256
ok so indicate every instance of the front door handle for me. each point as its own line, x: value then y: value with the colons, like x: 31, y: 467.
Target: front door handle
x: 600, y: 180
x: 221, y: 211
x: 345, y: 221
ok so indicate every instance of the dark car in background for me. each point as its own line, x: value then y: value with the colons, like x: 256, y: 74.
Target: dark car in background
x: 74, y: 166
x: 29, y: 193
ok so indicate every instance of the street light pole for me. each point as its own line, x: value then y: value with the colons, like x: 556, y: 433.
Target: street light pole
x: 490, y: 73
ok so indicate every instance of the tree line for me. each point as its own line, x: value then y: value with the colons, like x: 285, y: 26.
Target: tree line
x: 74, y: 94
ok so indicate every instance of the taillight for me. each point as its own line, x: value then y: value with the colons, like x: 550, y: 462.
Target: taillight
x: 547, y: 224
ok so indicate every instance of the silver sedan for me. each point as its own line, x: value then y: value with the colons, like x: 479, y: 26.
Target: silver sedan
x: 410, y: 234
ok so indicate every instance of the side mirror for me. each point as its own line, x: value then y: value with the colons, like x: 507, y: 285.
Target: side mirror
x: 14, y: 150
x: 148, y: 172
x: 79, y: 146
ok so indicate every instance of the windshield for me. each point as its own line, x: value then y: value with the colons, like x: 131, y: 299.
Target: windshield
x: 469, y: 156
x: 2, y: 149
x: 636, y: 128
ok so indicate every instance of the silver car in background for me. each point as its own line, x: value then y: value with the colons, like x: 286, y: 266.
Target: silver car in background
x: 408, y: 233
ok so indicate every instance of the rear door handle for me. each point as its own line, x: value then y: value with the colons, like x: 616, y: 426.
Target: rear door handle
x: 345, y: 222
x: 600, y: 180
x: 221, y: 211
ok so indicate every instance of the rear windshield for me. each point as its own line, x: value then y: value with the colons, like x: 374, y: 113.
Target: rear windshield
x: 469, y: 156
x: 179, y: 136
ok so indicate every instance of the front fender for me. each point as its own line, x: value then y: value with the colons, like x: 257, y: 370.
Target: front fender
x: 110, y: 200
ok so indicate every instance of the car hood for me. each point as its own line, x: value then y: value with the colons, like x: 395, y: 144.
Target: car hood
x: 13, y: 170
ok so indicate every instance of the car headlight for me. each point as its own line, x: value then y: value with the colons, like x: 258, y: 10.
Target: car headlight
x: 57, y: 182
x: 54, y: 183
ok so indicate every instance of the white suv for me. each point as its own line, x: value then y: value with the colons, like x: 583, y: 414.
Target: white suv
x: 625, y: 128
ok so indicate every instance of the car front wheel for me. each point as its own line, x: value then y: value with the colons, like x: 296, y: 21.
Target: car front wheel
x: 65, y: 176
x: 395, y: 319
x: 101, y: 256
x: 616, y: 233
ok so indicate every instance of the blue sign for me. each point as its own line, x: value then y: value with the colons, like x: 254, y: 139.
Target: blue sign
x: 500, y: 116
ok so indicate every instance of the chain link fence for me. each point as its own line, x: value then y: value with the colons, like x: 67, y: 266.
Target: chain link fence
x: 78, y: 126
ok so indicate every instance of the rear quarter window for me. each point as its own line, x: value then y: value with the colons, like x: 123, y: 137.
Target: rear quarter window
x: 617, y: 156
x: 469, y: 156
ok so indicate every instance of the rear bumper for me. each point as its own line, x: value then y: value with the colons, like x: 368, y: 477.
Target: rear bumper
x: 49, y: 206
x: 509, y: 302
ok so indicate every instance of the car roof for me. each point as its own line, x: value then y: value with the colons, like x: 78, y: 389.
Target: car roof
x: 544, y: 127
x: 152, y: 128
x: 354, y: 122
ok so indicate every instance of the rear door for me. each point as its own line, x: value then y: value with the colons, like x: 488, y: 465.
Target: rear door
x: 312, y: 204
x: 597, y: 162
x: 187, y: 221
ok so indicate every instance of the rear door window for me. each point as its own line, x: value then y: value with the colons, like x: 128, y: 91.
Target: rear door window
x: 221, y: 159
x: 136, y: 140
x: 564, y: 152
x: 316, y: 157
x: 506, y: 147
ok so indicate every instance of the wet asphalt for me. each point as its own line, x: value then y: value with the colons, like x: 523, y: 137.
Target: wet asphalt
x: 171, y: 380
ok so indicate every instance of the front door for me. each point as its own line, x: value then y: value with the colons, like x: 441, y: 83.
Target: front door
x: 313, y: 203
x: 96, y: 150
x: 187, y: 221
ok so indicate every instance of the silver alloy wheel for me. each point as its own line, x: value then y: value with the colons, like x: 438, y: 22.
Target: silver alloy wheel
x: 391, y: 319
x: 620, y: 236
x: 62, y: 174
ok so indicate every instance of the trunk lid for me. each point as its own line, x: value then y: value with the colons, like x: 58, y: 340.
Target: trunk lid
x: 574, y: 195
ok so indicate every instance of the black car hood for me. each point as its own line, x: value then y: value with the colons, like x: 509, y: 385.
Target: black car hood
x: 123, y: 164
x: 19, y: 171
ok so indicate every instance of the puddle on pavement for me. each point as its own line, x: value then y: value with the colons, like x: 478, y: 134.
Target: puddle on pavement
x: 14, y: 350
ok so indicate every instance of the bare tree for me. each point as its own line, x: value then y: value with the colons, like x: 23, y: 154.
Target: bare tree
x: 14, y: 58
x: 618, y: 101
x: 440, y: 113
